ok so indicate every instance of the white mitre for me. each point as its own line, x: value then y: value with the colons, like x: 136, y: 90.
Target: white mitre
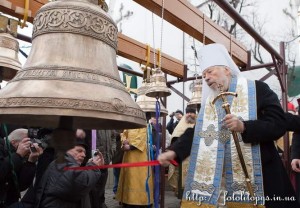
x: 214, y: 55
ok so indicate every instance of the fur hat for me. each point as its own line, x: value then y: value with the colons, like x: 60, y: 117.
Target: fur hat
x: 190, y: 110
x: 179, y: 111
x: 81, y: 142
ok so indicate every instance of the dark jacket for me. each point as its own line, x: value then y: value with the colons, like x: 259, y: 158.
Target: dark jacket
x: 106, y: 144
x: 118, y: 156
x: 66, y: 189
x: 44, y: 160
x: 292, y: 122
x: 295, y: 153
x: 172, y: 125
x: 269, y: 126
x: 25, y: 171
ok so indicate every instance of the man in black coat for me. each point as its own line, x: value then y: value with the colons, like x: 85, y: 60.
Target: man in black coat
x: 295, y: 157
x: 172, y: 124
x: 261, y: 132
x: 69, y: 188
x: 17, y: 165
x: 293, y: 124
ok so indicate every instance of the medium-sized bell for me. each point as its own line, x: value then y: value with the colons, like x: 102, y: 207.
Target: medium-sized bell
x: 158, y: 86
x: 148, y: 104
x: 9, y: 48
x: 196, y: 94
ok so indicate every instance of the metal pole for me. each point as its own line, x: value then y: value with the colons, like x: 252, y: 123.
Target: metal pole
x: 283, y: 74
x: 183, y: 60
x: 267, y: 65
x: 163, y: 147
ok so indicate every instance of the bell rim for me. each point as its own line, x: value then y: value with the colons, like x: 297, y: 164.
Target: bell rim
x: 158, y: 93
x: 84, y: 122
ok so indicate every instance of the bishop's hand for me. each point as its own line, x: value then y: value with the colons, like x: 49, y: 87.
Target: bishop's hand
x: 233, y: 123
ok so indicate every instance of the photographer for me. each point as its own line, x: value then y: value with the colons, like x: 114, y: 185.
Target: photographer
x: 70, y: 188
x: 43, y: 137
x: 171, y: 124
x: 17, y: 165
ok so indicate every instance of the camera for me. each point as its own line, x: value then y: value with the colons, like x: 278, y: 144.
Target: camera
x: 41, y: 136
x: 95, y: 152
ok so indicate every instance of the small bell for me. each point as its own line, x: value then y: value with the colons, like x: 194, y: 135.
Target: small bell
x: 148, y: 104
x: 195, y: 101
x: 9, y: 48
x: 158, y: 86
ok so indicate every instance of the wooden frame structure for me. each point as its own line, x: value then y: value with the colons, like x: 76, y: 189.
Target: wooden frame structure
x: 190, y: 20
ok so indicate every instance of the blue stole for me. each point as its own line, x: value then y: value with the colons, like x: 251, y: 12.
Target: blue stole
x: 206, y: 172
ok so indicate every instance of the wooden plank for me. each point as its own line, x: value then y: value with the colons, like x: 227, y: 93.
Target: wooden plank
x: 136, y: 51
x: 34, y: 6
x: 192, y: 21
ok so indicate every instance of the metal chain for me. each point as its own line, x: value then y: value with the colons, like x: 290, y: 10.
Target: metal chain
x: 154, y: 55
x: 196, y: 72
x: 203, y: 29
x: 230, y: 45
x: 161, y: 31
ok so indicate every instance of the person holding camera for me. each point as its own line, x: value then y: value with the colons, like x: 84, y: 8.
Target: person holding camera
x: 69, y: 188
x: 17, y: 165
x: 171, y: 124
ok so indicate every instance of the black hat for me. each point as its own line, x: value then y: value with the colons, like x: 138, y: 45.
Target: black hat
x: 190, y: 110
x: 298, y: 101
x: 179, y: 111
x: 81, y: 142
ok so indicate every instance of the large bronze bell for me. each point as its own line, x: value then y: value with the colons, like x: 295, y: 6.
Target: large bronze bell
x: 148, y: 104
x: 9, y: 49
x: 71, y: 72
x: 195, y: 101
x: 158, y: 86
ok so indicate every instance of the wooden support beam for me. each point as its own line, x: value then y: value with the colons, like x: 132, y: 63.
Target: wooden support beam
x: 136, y: 51
x: 11, y: 8
x: 127, y: 47
x: 192, y: 21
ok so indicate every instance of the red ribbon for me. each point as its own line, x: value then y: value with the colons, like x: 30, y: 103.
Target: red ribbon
x: 120, y: 165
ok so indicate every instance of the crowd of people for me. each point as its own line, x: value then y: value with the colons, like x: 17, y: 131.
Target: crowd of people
x: 223, y: 154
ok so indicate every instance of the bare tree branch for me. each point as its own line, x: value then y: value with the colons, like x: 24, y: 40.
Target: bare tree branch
x: 202, y: 4
x: 256, y: 51
x: 244, y: 6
